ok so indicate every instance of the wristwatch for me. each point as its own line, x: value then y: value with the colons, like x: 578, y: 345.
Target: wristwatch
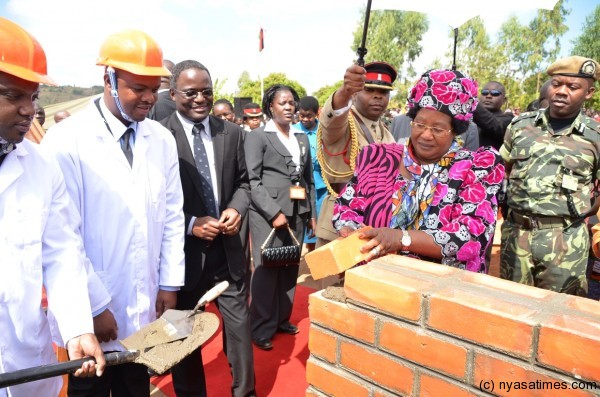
x: 406, y: 241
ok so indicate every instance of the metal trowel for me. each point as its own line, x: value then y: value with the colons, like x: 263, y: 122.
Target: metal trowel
x: 173, y: 324
x: 159, y: 358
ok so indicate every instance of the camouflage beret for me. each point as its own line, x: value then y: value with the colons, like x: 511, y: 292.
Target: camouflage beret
x: 575, y: 66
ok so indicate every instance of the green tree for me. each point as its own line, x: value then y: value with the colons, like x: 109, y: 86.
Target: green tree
x: 517, y: 57
x: 218, y: 90
x: 533, y: 47
x: 588, y: 45
x: 324, y: 92
x: 476, y: 54
x: 251, y: 88
x: 393, y: 37
x: 244, y: 79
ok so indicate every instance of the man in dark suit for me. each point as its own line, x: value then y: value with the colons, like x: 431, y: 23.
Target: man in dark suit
x: 164, y: 105
x: 489, y: 116
x: 216, y: 197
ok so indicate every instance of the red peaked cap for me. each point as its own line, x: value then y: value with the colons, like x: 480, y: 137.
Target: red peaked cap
x: 252, y: 110
x: 380, y: 75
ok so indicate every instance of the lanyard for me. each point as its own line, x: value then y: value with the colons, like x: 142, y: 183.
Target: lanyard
x: 97, y: 103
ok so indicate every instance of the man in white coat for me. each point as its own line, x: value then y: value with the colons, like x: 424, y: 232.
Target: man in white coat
x: 40, y: 243
x: 122, y: 172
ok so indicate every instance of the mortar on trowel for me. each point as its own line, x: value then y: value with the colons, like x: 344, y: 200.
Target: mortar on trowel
x: 159, y: 345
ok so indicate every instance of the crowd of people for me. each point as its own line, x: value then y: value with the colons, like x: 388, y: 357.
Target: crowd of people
x: 153, y: 194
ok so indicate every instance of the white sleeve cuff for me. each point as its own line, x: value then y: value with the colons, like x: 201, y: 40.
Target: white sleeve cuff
x: 190, y: 228
x: 343, y: 110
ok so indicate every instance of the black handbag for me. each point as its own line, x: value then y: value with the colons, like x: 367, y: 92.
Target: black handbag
x: 280, y: 256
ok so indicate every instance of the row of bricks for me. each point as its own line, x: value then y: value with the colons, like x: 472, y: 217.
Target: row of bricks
x: 326, y: 380
x: 405, y: 358
x: 537, y: 326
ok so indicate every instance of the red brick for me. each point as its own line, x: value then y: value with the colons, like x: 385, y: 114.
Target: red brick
x: 322, y: 344
x: 436, y: 387
x: 333, y: 381
x: 571, y: 344
x: 337, y: 256
x: 483, y: 319
x: 585, y: 305
x: 427, y: 268
x: 339, y: 317
x: 511, y: 287
x: 377, y: 367
x: 387, y: 290
x: 491, y: 369
x: 431, y: 352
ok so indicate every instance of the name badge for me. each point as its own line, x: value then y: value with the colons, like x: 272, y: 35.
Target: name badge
x: 297, y: 193
x: 569, y: 182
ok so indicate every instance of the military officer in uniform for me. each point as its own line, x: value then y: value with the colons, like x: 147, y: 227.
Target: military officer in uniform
x: 349, y: 120
x: 552, y: 157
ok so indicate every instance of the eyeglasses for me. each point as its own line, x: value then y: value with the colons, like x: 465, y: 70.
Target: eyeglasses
x: 420, y: 128
x: 192, y: 94
x: 492, y: 92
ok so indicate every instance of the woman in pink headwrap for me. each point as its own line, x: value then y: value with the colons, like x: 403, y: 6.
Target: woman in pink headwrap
x: 428, y: 198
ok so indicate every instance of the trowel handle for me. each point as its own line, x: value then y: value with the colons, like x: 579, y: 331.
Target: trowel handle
x: 209, y: 296
x: 48, y: 371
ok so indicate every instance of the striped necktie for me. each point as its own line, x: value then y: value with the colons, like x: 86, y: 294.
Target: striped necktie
x: 204, y: 170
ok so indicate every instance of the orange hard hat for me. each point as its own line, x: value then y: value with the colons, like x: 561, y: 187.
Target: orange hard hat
x: 21, y: 55
x: 133, y: 51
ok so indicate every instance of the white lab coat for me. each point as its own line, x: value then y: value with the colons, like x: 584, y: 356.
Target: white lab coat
x: 132, y: 217
x: 39, y: 244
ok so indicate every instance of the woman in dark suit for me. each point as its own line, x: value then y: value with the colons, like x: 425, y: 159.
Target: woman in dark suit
x: 279, y: 163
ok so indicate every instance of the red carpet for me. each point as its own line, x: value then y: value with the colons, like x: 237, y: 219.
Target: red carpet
x: 279, y: 372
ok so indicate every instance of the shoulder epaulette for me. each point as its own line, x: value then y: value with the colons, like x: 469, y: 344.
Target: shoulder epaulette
x: 590, y: 129
x: 523, y: 116
x: 592, y: 124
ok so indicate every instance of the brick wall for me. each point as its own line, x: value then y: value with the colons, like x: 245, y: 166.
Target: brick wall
x: 414, y: 328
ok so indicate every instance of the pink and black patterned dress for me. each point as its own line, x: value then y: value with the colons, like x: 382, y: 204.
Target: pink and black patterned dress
x: 461, y: 217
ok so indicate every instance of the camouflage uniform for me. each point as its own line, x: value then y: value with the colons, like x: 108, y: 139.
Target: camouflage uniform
x: 544, y: 239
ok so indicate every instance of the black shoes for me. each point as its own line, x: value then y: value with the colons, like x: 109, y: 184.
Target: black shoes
x: 288, y: 329
x: 263, y: 343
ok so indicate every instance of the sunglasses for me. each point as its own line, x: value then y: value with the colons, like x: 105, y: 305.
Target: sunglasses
x: 491, y: 92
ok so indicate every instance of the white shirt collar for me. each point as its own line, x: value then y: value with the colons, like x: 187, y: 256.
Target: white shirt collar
x: 188, y: 125
x: 117, y: 128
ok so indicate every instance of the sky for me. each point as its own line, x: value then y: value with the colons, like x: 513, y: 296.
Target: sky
x: 308, y: 40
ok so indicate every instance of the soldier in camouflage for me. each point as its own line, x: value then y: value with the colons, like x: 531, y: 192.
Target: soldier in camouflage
x: 553, y: 163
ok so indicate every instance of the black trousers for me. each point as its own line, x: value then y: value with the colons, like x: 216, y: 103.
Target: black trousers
x: 188, y: 375
x: 125, y: 380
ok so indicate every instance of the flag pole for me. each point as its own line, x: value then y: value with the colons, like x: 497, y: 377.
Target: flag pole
x: 261, y: 47
x: 262, y: 89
